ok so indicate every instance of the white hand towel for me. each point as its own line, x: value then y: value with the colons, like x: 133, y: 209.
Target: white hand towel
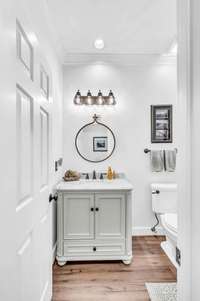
x: 157, y: 160
x: 170, y: 160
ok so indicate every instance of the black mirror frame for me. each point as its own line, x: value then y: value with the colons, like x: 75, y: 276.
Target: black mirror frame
x: 95, y: 117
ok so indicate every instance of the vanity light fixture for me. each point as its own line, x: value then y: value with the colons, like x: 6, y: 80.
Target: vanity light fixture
x: 89, y: 99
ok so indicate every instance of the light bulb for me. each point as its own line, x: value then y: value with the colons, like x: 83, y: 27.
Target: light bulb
x: 89, y: 99
x: 111, y: 98
x: 100, y: 99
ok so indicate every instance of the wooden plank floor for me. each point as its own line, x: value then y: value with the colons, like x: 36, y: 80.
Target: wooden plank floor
x: 108, y: 281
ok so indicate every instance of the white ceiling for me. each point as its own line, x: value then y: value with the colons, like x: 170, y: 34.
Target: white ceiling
x: 126, y: 26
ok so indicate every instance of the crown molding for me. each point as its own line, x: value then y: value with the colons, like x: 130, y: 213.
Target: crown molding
x: 119, y: 59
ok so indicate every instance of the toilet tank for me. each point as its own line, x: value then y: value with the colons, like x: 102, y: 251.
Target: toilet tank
x: 164, y: 197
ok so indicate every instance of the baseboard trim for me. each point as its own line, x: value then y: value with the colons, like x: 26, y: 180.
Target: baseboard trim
x: 54, y: 252
x: 140, y: 231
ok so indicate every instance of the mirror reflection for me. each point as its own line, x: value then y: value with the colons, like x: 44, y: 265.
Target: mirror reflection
x: 95, y: 142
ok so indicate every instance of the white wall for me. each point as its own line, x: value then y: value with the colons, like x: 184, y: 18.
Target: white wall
x: 135, y: 88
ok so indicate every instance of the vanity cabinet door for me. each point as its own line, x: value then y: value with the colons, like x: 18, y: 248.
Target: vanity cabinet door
x: 110, y: 216
x: 78, y: 210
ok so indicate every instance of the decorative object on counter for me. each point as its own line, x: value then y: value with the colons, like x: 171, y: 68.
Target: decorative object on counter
x: 109, y: 173
x: 161, y: 124
x: 71, y: 175
x: 95, y: 141
x: 90, y: 99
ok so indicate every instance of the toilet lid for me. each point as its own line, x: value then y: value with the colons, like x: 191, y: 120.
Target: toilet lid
x: 171, y: 221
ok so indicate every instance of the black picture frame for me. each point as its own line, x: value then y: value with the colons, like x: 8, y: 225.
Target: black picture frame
x: 100, y: 148
x: 161, y: 124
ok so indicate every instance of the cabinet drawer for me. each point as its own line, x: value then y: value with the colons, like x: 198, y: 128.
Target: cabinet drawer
x: 75, y: 249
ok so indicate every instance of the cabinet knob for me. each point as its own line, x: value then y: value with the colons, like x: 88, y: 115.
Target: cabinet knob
x: 94, y: 249
x: 97, y: 209
x: 92, y: 209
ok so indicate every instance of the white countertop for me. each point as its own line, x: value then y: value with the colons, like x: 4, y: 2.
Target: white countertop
x: 91, y: 185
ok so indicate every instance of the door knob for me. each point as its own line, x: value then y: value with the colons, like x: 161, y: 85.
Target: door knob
x: 156, y: 192
x: 53, y: 197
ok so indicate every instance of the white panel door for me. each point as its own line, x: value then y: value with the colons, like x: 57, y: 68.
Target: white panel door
x: 33, y: 132
x: 25, y: 158
x: 110, y: 216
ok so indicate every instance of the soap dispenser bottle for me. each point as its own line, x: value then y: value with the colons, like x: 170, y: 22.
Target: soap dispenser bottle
x: 109, y: 174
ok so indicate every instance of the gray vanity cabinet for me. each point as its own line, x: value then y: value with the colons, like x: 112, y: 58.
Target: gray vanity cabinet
x: 94, y: 226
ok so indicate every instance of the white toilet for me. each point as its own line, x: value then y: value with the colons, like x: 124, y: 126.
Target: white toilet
x: 164, y: 204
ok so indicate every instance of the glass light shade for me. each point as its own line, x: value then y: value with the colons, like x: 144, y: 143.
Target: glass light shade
x: 89, y: 100
x: 111, y: 98
x: 77, y: 98
x: 100, y: 99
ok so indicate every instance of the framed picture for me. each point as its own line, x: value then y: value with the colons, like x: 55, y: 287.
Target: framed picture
x: 100, y: 144
x: 161, y: 124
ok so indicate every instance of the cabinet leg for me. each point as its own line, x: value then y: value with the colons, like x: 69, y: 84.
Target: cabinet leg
x: 127, y: 262
x: 61, y: 263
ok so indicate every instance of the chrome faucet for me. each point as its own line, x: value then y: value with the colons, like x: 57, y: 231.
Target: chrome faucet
x: 102, y: 175
x: 86, y: 175
x: 94, y: 175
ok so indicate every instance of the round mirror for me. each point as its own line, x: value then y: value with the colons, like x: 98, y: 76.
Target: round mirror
x: 95, y: 141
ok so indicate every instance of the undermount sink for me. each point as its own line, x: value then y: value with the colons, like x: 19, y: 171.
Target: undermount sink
x: 95, y: 180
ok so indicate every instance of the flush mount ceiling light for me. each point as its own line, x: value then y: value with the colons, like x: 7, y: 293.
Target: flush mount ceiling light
x: 89, y: 99
x: 99, y: 44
